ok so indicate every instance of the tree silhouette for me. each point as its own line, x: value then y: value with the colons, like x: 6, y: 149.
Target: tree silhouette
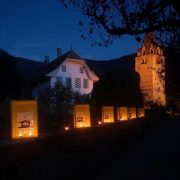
x: 110, y: 19
x: 56, y: 106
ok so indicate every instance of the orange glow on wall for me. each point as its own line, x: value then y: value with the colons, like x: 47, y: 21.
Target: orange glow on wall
x: 24, y: 117
x: 107, y: 114
x: 122, y: 113
x: 81, y: 116
x: 131, y: 112
x: 140, y: 112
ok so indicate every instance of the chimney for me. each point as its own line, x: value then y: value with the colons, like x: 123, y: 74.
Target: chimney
x: 46, y: 60
x: 59, y: 50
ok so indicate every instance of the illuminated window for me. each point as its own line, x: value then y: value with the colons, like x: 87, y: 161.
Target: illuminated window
x: 77, y: 83
x: 64, y: 68
x: 81, y: 70
x: 86, y: 83
x: 59, y: 80
x: 68, y: 82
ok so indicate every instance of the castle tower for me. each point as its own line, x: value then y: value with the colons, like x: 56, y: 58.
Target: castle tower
x: 150, y: 64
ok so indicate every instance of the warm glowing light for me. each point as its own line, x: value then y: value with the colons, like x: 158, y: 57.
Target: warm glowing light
x: 131, y: 112
x: 122, y: 113
x: 99, y: 122
x: 24, y: 119
x: 30, y: 134
x: 81, y: 116
x: 122, y: 119
x: 66, y: 128
x: 107, y: 114
x: 140, y: 112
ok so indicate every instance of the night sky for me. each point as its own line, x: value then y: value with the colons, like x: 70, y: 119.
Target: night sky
x: 35, y: 28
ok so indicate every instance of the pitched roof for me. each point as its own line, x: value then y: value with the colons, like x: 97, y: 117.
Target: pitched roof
x: 71, y: 55
x: 149, y: 39
x: 57, y: 62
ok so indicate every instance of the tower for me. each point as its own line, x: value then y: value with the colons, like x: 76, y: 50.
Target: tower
x: 150, y: 64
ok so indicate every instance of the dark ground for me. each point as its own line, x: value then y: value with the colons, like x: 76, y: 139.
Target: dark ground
x: 139, y: 149
x: 156, y: 156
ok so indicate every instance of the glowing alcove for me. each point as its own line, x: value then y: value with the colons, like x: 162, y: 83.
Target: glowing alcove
x: 107, y: 114
x: 131, y: 113
x: 81, y: 114
x: 140, y: 112
x: 24, y: 119
x: 122, y: 113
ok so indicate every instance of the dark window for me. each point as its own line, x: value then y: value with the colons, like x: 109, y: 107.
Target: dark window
x: 81, y: 70
x: 59, y: 80
x: 86, y: 83
x: 158, y: 61
x: 63, y: 68
x: 144, y: 61
x: 68, y: 82
x: 77, y: 83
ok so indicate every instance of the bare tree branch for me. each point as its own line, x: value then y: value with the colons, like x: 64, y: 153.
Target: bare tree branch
x: 119, y: 17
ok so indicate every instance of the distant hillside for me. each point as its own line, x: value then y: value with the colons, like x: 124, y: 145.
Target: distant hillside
x: 2, y: 52
x: 9, y: 76
x: 125, y: 63
x: 118, y: 84
x: 30, y: 70
x: 17, y: 75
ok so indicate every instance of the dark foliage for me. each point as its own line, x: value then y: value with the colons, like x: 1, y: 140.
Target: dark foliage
x: 116, y: 89
x: 111, y: 19
x: 56, y: 107
x: 172, y: 78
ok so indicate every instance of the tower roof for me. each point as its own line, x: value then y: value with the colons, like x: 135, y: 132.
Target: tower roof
x: 149, y: 45
x: 149, y: 39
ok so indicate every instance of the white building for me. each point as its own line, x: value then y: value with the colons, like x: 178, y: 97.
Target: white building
x: 70, y: 70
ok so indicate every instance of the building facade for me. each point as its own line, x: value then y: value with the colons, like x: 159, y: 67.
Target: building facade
x: 150, y: 64
x: 71, y: 71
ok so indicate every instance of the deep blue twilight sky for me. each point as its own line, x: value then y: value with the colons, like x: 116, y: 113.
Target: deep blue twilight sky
x: 35, y: 28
